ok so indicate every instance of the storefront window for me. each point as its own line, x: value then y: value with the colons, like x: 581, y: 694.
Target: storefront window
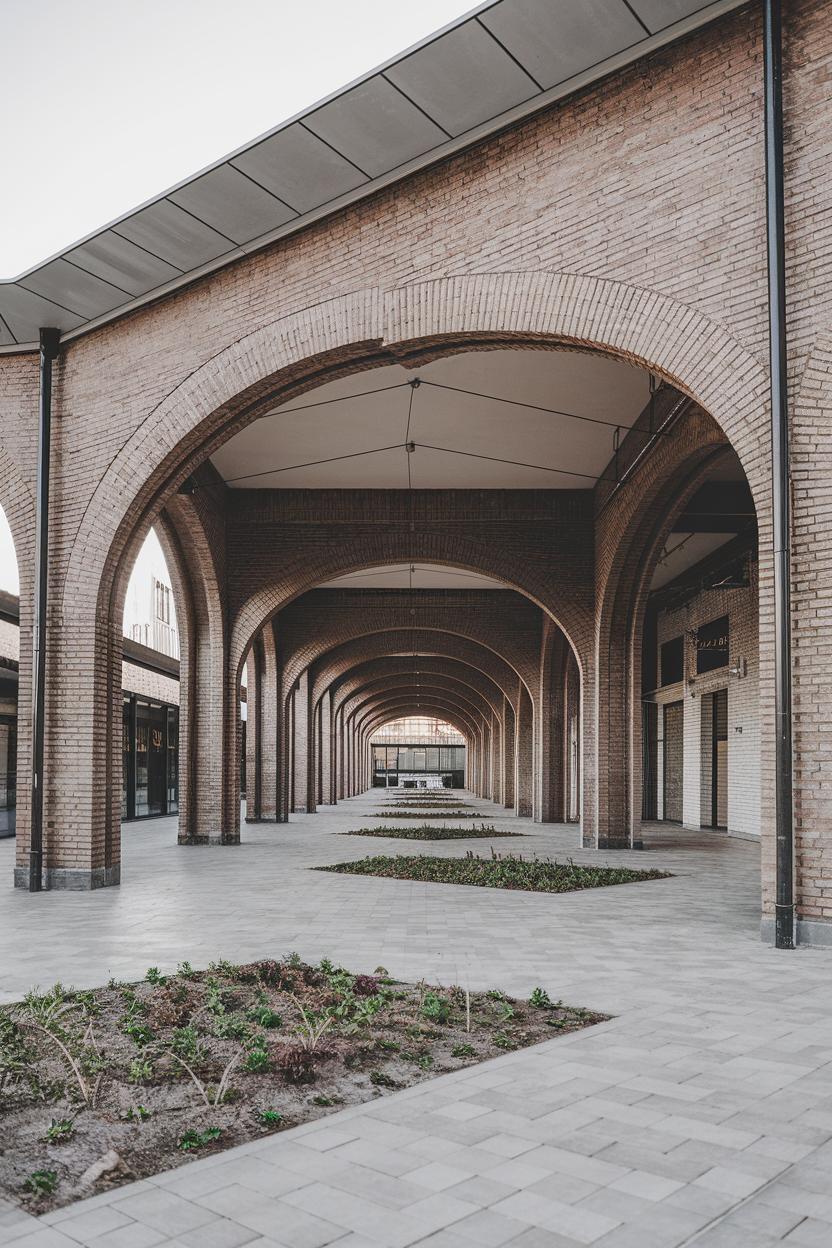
x: 8, y: 775
x: 150, y: 752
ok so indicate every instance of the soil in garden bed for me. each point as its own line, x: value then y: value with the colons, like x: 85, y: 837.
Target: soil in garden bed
x: 430, y: 832
x: 428, y: 813
x: 103, y: 1087
x: 533, y: 875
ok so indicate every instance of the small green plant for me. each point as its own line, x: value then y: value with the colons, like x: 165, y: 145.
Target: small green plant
x: 507, y: 1011
x: 503, y: 1041
x: 424, y: 1061
x: 141, y: 1070
x: 256, y: 1060
x: 265, y: 1016
x: 139, y: 1032
x: 540, y: 1000
x: 320, y: 1099
x: 494, y: 994
x: 185, y: 970
x: 41, y: 1182
x: 269, y: 1117
x: 435, y: 1008
x: 59, y: 1130
x: 192, y: 1140
x: 223, y: 967
x: 381, y: 1080
x: 186, y: 1043
x: 137, y: 1113
x: 463, y: 1050
x: 154, y: 976
x: 388, y: 1046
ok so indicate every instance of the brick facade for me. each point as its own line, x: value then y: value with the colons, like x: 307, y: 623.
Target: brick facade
x: 628, y: 219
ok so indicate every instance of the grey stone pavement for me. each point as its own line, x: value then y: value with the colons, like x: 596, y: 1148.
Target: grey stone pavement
x: 700, y: 1114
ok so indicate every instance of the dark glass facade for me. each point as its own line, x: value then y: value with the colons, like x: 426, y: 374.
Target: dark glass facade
x: 8, y: 774
x: 445, y: 760
x: 150, y: 758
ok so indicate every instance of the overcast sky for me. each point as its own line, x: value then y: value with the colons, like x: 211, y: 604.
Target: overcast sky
x: 106, y: 103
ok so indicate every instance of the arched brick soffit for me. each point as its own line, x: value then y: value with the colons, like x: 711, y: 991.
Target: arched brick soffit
x: 442, y: 708
x: 388, y: 717
x: 464, y: 694
x: 472, y: 705
x: 351, y: 332
x: 399, y: 708
x: 377, y: 673
x: 335, y: 666
x: 437, y: 636
x: 574, y: 618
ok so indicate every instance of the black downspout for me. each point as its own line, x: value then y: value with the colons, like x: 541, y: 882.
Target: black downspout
x: 49, y: 347
x: 784, y: 922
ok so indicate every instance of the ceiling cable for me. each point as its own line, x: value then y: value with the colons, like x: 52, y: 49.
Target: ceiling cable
x: 533, y: 407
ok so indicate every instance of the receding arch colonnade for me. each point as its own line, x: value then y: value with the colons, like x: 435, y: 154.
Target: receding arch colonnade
x: 575, y: 567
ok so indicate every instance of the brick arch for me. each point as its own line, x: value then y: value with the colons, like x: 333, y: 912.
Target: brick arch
x: 461, y: 650
x: 521, y: 665
x: 462, y: 696
x: 382, y: 549
x: 373, y: 327
x: 389, y: 715
x: 401, y: 705
x: 634, y: 539
x: 401, y: 669
x: 365, y: 329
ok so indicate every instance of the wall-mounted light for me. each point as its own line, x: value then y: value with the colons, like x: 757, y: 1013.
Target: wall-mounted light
x: 738, y: 668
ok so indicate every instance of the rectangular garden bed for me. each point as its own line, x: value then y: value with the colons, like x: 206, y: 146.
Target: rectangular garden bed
x: 431, y: 832
x: 102, y: 1087
x: 533, y: 875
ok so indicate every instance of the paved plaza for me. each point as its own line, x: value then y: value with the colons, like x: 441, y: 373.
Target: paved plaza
x: 701, y: 1114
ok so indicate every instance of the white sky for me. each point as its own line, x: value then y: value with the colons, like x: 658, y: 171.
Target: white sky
x: 106, y: 103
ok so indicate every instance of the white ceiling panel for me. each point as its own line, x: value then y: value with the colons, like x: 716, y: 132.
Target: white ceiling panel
x: 423, y: 576
x: 25, y: 312
x: 117, y: 260
x: 463, y: 79
x: 657, y: 14
x: 375, y: 127
x: 300, y: 168
x: 556, y: 39
x: 463, y: 440
x: 174, y: 235
x: 231, y: 203
x: 74, y: 288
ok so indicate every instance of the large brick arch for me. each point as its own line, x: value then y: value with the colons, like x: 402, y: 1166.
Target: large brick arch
x: 372, y: 327
x: 457, y: 649
x: 629, y: 537
x: 343, y: 335
x: 400, y: 670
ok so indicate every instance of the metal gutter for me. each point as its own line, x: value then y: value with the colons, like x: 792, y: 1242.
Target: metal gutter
x: 784, y: 920
x: 49, y: 349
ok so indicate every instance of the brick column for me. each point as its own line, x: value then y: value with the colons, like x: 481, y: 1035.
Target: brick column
x: 524, y: 754
x: 261, y: 732
x: 508, y: 754
x: 301, y: 742
x: 550, y: 734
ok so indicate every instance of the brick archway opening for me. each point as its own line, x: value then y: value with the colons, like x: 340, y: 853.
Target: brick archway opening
x: 492, y: 313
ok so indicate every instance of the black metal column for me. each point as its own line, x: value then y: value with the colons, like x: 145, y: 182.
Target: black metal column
x: 49, y: 347
x: 775, y: 228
